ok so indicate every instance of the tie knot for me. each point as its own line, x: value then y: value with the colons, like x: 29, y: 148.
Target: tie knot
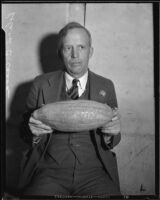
x: 75, y: 81
x: 73, y: 91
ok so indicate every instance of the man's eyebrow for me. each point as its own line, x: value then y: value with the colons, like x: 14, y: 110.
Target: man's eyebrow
x: 67, y: 45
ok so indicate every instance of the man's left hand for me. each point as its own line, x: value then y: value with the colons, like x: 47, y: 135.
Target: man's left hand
x: 114, y: 126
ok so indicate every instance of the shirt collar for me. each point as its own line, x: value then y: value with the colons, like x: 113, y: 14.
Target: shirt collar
x: 82, y: 80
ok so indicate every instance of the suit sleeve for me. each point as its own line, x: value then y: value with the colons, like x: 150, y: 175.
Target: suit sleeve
x: 112, y: 102
x: 31, y: 105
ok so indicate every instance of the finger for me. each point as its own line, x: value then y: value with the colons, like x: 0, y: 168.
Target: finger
x: 44, y: 126
x: 116, y: 115
x: 111, y: 132
x: 41, y: 126
x: 112, y: 123
x: 115, y: 108
x: 34, y: 121
x: 37, y: 131
x: 115, y: 112
x: 112, y: 129
x: 115, y: 128
x: 115, y: 118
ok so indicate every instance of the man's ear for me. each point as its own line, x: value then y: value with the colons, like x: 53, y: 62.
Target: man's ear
x: 91, y: 52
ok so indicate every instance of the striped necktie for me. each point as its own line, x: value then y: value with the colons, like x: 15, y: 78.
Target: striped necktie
x: 73, y: 91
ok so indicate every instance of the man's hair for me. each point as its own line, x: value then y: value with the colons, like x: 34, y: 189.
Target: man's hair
x: 63, y: 32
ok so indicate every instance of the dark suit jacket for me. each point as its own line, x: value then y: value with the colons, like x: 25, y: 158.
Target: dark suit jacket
x: 46, y: 89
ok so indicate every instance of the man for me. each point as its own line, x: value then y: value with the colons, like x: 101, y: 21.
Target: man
x: 77, y: 164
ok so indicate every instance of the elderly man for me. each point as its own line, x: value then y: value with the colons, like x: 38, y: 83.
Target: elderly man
x: 76, y: 164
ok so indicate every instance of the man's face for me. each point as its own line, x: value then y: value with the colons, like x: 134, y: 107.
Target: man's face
x: 76, y: 52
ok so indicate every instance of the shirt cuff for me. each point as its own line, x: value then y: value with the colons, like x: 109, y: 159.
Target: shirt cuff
x: 107, y: 139
x: 35, y: 140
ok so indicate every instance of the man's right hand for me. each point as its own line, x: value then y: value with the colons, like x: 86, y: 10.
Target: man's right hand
x: 38, y: 128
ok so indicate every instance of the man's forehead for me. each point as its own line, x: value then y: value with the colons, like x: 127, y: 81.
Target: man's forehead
x: 77, y: 30
x: 77, y: 33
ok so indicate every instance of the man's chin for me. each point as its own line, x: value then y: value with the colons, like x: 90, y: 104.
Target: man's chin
x: 76, y: 73
x: 76, y: 69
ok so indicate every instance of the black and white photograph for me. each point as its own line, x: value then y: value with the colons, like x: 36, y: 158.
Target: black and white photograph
x: 81, y: 107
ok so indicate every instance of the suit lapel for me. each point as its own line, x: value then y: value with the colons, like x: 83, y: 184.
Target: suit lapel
x: 52, y: 91
x: 98, y: 93
x: 97, y: 89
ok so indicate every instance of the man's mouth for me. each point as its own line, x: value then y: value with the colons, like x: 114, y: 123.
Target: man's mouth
x: 75, y: 63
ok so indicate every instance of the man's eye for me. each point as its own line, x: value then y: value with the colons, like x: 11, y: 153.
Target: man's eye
x: 81, y: 47
x: 67, y: 48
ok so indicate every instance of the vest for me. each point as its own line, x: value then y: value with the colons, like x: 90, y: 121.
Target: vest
x: 66, y: 148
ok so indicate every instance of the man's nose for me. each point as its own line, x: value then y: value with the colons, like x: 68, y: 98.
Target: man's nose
x: 75, y: 53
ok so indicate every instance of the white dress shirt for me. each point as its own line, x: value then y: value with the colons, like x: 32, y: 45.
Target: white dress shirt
x: 81, y: 84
